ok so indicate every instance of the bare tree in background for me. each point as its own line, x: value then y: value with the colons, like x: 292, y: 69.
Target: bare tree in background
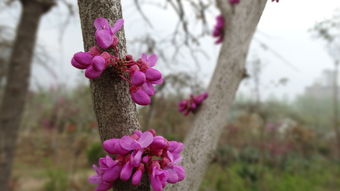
x: 208, y: 124
x: 18, y: 76
x: 328, y: 30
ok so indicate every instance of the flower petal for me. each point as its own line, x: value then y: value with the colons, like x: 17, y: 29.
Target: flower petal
x: 92, y: 73
x: 137, y: 177
x: 138, y: 78
x: 83, y: 58
x: 126, y: 172
x: 153, y: 74
x: 98, y: 63
x: 145, y: 139
x: 149, y: 89
x: 113, y: 146
x: 117, y: 26
x: 101, y: 23
x: 77, y: 64
x: 112, y: 174
x: 104, y: 38
x: 172, y: 176
x: 152, y: 60
x: 129, y: 143
x: 140, y: 97
x: 136, y: 158
x: 160, y: 81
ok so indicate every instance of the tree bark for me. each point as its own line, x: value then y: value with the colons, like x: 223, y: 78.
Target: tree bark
x: 116, y: 113
x: 18, y: 77
x: 201, y: 142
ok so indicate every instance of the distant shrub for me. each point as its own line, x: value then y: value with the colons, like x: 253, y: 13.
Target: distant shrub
x: 57, y: 180
x: 94, y: 152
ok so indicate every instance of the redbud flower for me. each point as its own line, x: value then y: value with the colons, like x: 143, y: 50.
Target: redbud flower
x: 143, y: 77
x: 81, y: 60
x: 218, y: 31
x: 139, y: 96
x: 107, y: 172
x: 138, y: 153
x: 96, y: 68
x: 233, y: 2
x: 94, y: 62
x: 190, y: 105
x: 105, y: 34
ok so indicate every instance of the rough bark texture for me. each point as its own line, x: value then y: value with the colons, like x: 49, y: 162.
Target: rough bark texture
x: 201, y: 142
x: 18, y: 76
x: 116, y: 113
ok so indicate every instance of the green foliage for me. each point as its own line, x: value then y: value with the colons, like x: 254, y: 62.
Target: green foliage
x: 94, y: 152
x: 238, y: 176
x: 57, y: 180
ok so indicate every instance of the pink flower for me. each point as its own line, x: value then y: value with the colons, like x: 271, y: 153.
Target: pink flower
x: 190, y: 105
x: 113, y: 146
x: 233, y: 2
x: 218, y: 31
x: 105, y: 34
x: 96, y: 68
x: 94, y: 62
x: 139, y: 95
x: 137, y: 176
x: 138, y: 153
x: 158, y: 177
x: 107, y: 172
x: 143, y: 77
x: 81, y: 60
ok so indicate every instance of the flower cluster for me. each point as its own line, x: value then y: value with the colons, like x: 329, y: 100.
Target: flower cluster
x: 218, y: 31
x: 143, y: 77
x: 142, y: 152
x: 140, y: 73
x: 190, y: 105
x: 233, y: 2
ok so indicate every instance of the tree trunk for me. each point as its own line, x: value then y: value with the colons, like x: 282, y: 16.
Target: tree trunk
x: 201, y: 142
x: 116, y: 113
x: 18, y: 77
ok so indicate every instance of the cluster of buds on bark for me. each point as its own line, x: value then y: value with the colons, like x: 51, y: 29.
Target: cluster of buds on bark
x: 139, y: 73
x: 139, y: 153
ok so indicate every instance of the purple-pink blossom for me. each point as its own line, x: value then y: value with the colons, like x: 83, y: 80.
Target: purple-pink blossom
x: 190, y: 105
x: 139, y: 153
x: 142, y: 76
x: 233, y: 2
x: 105, y: 34
x: 94, y: 62
x: 218, y: 31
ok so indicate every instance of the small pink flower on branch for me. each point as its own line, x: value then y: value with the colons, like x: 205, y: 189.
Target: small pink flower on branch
x: 218, y: 31
x: 142, y: 75
x: 105, y: 34
x: 192, y: 104
x: 233, y: 2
